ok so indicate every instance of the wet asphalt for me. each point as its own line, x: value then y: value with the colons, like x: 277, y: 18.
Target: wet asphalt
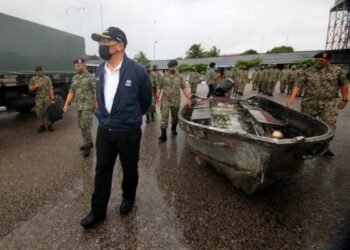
x: 46, y: 186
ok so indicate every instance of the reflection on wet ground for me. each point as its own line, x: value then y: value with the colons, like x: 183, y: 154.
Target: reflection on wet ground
x: 46, y: 185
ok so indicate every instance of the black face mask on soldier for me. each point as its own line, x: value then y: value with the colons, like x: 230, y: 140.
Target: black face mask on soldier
x: 104, y: 52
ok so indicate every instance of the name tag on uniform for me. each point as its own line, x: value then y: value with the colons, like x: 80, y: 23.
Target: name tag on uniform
x: 128, y: 83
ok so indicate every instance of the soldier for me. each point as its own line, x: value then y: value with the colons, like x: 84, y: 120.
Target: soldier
x: 242, y: 79
x: 170, y: 86
x: 301, y: 73
x: 272, y: 80
x: 84, y: 89
x: 44, y: 95
x: 154, y: 81
x: 320, y: 84
x: 260, y: 76
x: 209, y: 79
x: 228, y: 74
x: 255, y: 79
x: 292, y: 79
x: 284, y: 78
x: 217, y: 78
x: 194, y: 80
x: 265, y: 79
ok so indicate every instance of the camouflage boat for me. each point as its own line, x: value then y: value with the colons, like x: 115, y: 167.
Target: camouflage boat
x: 253, y: 141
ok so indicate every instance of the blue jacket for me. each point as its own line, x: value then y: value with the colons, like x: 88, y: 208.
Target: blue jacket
x: 131, y: 101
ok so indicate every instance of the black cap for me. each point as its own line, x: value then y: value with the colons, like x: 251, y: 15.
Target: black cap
x: 112, y: 33
x: 172, y: 63
x: 37, y: 68
x: 148, y: 67
x: 79, y: 60
x: 155, y: 66
x: 323, y: 54
x: 212, y: 64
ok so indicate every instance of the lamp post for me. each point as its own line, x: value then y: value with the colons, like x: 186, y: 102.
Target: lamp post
x: 154, y: 50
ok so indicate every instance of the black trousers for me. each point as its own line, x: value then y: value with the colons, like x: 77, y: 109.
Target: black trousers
x: 211, y: 90
x: 110, y: 144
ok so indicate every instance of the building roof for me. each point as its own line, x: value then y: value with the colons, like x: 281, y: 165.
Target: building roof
x: 224, y: 61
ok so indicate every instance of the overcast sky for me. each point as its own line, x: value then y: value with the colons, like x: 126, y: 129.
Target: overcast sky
x: 232, y: 25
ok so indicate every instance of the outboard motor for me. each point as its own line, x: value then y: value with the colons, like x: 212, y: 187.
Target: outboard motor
x: 224, y: 88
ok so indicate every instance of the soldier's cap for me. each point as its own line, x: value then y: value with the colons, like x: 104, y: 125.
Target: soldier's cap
x: 323, y: 54
x: 37, y: 68
x: 212, y: 64
x: 148, y: 67
x: 155, y: 66
x: 111, y: 33
x: 172, y: 63
x: 79, y: 60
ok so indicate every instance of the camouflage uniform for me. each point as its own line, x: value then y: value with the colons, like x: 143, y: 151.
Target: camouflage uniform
x: 194, y: 80
x: 274, y: 75
x: 155, y: 78
x: 255, y: 80
x: 42, y: 99
x: 259, y: 79
x: 170, y: 86
x: 292, y: 79
x: 242, y: 80
x: 210, y: 81
x: 320, y: 88
x: 217, y: 78
x: 228, y: 74
x: 284, y: 80
x: 84, y: 87
x: 265, y: 79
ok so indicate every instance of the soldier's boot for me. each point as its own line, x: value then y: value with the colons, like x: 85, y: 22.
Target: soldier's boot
x: 152, y: 117
x: 173, y: 129
x: 50, y: 128
x: 86, y: 151
x: 41, y: 129
x: 89, y: 145
x: 148, y: 118
x: 163, y: 136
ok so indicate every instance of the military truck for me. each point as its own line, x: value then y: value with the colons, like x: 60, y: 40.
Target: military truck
x: 25, y: 45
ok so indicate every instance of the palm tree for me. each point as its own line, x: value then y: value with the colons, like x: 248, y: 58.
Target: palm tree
x: 195, y: 51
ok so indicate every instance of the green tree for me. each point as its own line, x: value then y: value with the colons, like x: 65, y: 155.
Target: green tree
x: 250, y: 52
x: 254, y: 63
x: 281, y: 49
x: 213, y: 52
x: 308, y: 62
x: 195, y: 51
x: 141, y: 58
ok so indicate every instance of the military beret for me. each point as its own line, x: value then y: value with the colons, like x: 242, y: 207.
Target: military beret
x: 323, y: 54
x: 172, y: 63
x: 148, y: 67
x: 212, y: 64
x: 155, y: 66
x: 37, y: 68
x: 79, y: 60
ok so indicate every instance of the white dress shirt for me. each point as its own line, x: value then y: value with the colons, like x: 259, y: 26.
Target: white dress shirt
x: 111, y: 81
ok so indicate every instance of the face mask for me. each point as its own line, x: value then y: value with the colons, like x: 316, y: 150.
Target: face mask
x: 172, y: 71
x: 104, y: 52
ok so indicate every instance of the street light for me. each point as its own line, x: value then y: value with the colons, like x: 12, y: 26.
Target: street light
x: 154, y: 50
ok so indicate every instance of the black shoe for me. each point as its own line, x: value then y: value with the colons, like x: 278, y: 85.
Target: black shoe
x: 91, y: 220
x: 86, y: 152
x: 328, y: 154
x: 89, y: 145
x: 163, y: 136
x: 148, y: 118
x: 126, y: 206
x: 173, y: 129
x: 50, y: 128
x: 41, y: 129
